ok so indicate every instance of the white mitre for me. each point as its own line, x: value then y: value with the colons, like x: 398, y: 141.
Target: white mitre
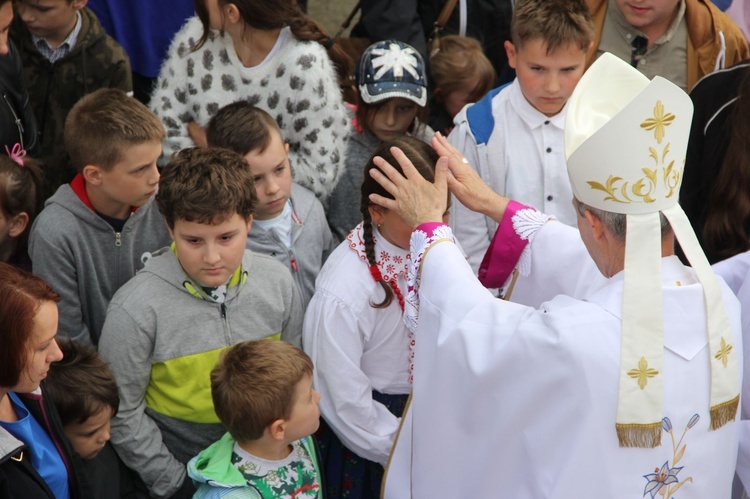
x: 625, y: 144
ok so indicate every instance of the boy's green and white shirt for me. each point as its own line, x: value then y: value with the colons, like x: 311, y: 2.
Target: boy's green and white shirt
x: 295, y: 476
x: 224, y: 470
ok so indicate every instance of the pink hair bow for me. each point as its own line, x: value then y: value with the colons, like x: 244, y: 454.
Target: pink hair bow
x: 16, y: 154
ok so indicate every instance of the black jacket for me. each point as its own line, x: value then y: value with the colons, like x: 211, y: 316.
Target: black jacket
x: 713, y: 97
x: 17, y: 124
x: 18, y: 478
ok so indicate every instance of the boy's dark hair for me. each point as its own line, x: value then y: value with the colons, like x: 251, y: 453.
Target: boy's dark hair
x: 556, y: 22
x: 253, y: 385
x: 103, y: 124
x: 81, y: 384
x: 242, y: 128
x: 207, y: 186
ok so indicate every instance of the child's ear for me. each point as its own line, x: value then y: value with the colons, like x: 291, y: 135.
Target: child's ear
x: 438, y: 94
x: 18, y: 224
x: 510, y: 50
x: 92, y: 174
x: 170, y: 229
x: 79, y: 4
x: 249, y: 222
x: 277, y: 429
x: 232, y: 13
x: 286, y: 147
x: 376, y: 214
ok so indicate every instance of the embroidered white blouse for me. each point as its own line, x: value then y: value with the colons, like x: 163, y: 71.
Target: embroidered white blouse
x: 357, y: 348
x: 534, y: 391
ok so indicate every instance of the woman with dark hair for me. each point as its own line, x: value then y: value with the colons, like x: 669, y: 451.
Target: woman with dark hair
x: 36, y: 460
x: 17, y: 124
x: 716, y: 186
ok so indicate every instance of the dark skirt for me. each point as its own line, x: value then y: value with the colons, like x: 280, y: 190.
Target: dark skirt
x: 347, y: 474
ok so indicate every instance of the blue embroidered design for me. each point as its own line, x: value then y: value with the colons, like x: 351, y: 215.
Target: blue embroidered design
x: 663, y: 481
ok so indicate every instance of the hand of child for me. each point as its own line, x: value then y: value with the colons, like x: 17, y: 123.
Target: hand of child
x: 417, y: 201
x: 466, y: 184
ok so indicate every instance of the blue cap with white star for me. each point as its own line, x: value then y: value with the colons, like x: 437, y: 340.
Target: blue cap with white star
x: 389, y: 69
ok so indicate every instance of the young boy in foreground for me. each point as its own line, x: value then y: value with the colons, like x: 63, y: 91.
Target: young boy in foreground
x: 167, y: 327
x: 262, y: 392
x: 289, y: 222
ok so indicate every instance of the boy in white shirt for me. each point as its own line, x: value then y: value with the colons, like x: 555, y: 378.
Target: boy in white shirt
x: 514, y: 135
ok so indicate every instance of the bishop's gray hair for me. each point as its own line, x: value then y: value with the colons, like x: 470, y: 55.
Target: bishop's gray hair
x: 617, y: 223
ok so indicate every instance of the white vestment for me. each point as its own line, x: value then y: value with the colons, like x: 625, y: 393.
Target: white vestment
x: 515, y: 402
x: 736, y: 272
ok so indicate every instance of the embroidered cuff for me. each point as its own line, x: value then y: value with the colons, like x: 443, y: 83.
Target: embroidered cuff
x: 422, y: 239
x: 509, y: 248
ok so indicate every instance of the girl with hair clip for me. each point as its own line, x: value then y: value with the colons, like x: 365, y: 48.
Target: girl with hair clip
x: 391, y: 100
x: 271, y: 54
x: 21, y: 185
x: 355, y: 334
x: 461, y: 74
x: 715, y: 191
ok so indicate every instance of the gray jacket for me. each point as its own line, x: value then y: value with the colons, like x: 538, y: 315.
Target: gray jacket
x: 163, y: 336
x: 311, y: 241
x: 82, y: 257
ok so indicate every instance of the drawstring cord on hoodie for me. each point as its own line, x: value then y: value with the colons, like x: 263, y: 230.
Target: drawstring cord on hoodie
x: 721, y: 59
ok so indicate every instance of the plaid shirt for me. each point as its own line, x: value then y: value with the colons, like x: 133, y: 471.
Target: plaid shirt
x: 64, y: 48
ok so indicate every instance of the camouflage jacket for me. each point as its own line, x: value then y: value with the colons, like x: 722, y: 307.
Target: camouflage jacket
x: 97, y: 61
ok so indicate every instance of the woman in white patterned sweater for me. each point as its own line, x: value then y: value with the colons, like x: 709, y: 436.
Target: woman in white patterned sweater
x: 271, y: 54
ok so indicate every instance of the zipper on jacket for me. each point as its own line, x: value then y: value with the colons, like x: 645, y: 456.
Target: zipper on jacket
x: 16, y: 119
x: 293, y: 262
x: 225, y: 323
x: 118, y: 238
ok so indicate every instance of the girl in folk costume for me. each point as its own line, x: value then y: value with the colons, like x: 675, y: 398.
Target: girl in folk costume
x: 391, y: 103
x: 355, y: 334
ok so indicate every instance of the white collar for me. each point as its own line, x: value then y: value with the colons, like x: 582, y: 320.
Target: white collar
x: 392, y: 260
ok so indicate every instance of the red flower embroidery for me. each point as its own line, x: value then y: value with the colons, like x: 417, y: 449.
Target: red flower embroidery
x: 385, y: 256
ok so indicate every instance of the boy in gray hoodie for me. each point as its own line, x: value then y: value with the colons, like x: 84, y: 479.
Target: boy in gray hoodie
x: 97, y: 231
x: 166, y: 328
x: 290, y: 224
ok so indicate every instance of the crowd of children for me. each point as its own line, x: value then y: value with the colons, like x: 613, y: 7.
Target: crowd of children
x: 232, y: 301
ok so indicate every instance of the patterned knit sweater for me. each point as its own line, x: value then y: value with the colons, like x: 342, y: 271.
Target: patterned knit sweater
x: 296, y: 84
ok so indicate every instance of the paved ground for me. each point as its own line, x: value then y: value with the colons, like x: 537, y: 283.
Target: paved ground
x: 330, y: 13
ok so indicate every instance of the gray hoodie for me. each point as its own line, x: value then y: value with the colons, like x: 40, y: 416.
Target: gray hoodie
x: 163, y: 336
x: 82, y: 257
x: 311, y: 241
